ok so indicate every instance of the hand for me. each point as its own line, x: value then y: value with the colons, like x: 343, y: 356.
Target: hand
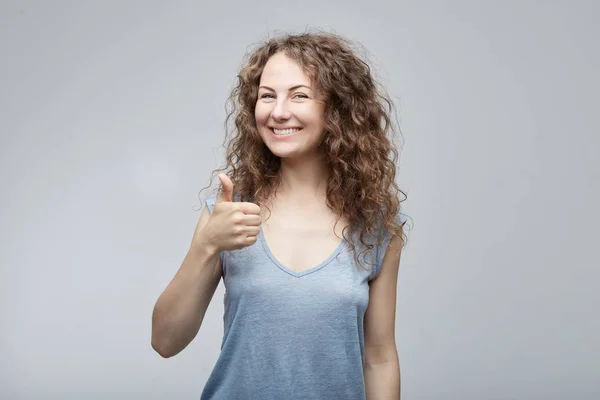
x: 232, y: 225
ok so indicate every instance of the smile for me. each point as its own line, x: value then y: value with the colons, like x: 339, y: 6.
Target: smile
x: 284, y: 132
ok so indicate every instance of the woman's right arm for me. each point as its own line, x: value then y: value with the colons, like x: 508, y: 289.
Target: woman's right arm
x: 180, y: 309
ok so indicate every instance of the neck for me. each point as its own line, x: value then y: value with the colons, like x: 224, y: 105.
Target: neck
x: 303, y: 181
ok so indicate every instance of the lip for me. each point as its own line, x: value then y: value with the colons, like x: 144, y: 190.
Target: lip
x: 281, y: 129
x: 280, y: 137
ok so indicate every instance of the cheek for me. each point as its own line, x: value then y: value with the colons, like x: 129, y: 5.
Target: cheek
x: 261, y: 114
x: 314, y: 116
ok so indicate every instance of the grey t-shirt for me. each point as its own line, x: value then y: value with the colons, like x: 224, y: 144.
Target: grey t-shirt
x: 290, y: 335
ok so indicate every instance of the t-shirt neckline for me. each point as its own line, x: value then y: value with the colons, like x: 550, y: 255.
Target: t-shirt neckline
x: 261, y: 238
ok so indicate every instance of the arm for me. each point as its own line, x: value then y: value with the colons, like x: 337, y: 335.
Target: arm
x: 382, y: 367
x: 180, y: 309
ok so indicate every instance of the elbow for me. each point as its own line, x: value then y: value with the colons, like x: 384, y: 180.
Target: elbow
x: 163, y: 353
x: 162, y: 339
x: 382, y: 354
x: 162, y: 347
x: 161, y: 350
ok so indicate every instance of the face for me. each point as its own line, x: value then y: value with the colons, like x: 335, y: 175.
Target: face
x: 288, y: 116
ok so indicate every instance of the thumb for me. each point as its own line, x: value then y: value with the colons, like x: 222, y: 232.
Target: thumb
x: 226, y: 189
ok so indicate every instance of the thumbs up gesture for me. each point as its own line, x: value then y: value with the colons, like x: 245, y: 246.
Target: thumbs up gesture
x: 232, y: 225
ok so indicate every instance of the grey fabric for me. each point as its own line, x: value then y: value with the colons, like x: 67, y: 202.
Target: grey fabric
x: 290, y: 335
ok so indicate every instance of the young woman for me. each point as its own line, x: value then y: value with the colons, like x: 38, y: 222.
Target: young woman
x: 306, y: 233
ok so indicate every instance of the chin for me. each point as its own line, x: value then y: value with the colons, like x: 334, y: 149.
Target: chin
x: 283, y: 153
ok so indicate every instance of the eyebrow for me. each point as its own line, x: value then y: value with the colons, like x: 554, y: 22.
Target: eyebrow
x: 291, y: 88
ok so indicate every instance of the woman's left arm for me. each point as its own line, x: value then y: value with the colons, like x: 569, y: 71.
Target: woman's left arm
x: 382, y: 367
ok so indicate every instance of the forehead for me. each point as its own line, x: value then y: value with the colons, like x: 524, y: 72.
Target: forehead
x: 280, y: 70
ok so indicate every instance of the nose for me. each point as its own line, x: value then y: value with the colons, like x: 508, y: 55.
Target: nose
x: 281, y: 110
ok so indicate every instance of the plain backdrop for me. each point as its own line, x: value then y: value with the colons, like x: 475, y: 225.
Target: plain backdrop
x: 111, y: 121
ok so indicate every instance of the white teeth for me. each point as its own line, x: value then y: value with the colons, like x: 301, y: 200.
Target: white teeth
x: 285, y: 131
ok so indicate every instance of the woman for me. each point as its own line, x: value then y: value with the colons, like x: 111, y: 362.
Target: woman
x: 311, y: 147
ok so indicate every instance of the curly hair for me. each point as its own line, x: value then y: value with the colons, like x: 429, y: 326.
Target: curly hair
x: 358, y: 136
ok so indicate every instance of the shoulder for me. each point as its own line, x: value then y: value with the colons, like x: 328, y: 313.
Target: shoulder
x: 389, y: 243
x: 210, y: 201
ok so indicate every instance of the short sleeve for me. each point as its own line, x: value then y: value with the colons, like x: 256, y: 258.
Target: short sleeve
x: 210, y: 203
x: 380, y: 254
x: 382, y: 249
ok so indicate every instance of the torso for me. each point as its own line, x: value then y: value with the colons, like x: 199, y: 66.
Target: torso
x: 301, y: 237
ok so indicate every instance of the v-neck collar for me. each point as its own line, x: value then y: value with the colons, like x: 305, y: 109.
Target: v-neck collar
x: 300, y: 274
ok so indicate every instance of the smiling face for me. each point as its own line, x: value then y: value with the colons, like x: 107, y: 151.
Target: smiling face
x: 288, y: 116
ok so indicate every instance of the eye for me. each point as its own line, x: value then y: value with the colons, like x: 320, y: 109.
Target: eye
x: 302, y: 96
x: 266, y: 95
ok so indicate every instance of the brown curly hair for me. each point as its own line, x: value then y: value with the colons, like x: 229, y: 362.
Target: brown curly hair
x: 358, y: 136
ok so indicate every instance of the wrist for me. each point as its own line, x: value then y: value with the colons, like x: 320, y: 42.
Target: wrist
x: 204, y: 246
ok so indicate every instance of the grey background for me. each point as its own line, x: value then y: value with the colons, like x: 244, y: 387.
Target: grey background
x: 111, y: 118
